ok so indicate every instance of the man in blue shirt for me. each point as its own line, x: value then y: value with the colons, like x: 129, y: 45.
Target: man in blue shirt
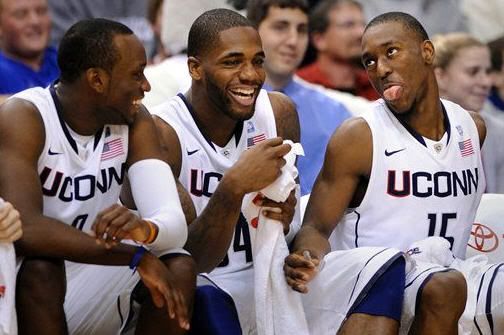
x: 25, y: 58
x: 283, y: 26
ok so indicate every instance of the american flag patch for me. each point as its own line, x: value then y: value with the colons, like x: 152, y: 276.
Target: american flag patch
x: 466, y: 147
x: 251, y: 141
x: 112, y: 149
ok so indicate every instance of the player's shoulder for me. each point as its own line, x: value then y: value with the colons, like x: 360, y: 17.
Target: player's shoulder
x: 353, y: 129
x: 286, y: 117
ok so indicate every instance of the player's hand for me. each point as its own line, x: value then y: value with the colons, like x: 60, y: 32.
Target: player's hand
x: 300, y: 268
x: 164, y: 292
x: 10, y: 223
x: 116, y: 223
x: 281, y: 211
x: 258, y: 166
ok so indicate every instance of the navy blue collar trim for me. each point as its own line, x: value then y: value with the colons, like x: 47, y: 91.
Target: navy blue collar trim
x: 418, y: 137
x: 59, y: 110
x: 496, y: 99
x: 237, y: 131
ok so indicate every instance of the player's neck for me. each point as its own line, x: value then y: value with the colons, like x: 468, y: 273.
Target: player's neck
x: 76, y: 114
x: 212, y: 122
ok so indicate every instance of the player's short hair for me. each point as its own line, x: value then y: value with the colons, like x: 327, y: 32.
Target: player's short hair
x: 205, y: 30
x: 257, y: 10
x: 87, y: 44
x: 407, y: 20
x: 319, y: 17
x: 447, y: 46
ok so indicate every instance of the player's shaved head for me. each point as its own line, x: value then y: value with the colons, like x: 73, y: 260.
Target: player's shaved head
x: 205, y: 30
x: 408, y: 21
x: 89, y: 43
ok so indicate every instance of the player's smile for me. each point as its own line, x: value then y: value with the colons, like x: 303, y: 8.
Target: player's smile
x: 244, y: 95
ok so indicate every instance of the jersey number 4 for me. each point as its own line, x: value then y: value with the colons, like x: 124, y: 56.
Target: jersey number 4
x: 241, y: 241
x: 433, y: 220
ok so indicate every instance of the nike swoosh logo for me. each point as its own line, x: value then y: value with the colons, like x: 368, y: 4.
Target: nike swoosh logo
x: 52, y: 153
x: 192, y: 152
x: 390, y: 153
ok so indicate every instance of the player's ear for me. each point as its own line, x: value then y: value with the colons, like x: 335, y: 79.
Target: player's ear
x: 194, y: 65
x: 428, y: 52
x: 98, y: 79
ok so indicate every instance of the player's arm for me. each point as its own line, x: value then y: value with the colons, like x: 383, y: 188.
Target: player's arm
x: 22, y: 138
x: 211, y: 232
x: 348, y: 159
x: 480, y: 125
x: 161, y: 224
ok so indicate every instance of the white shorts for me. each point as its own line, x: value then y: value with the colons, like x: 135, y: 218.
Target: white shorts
x: 98, y: 300
x: 484, y: 311
x: 344, y: 281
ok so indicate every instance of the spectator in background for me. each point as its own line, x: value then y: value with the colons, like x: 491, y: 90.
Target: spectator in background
x: 336, y: 28
x: 26, y: 60
x: 283, y: 27
x: 462, y: 68
x: 132, y: 13
x: 155, y: 17
x: 495, y: 103
x: 437, y: 16
x: 485, y: 19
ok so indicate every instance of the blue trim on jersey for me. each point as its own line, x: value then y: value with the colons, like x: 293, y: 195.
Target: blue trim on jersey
x: 357, y: 228
x: 488, y: 307
x: 390, y: 288
x: 372, y: 281
x: 358, y: 275
x: 418, y: 137
x: 59, y: 111
x: 478, y: 298
x: 237, y: 131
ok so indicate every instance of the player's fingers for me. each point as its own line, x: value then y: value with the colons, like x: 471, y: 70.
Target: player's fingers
x: 273, y: 215
x: 298, y: 261
x: 271, y: 142
x: 11, y: 232
x: 181, y: 310
x: 103, y: 221
x: 301, y: 288
x: 5, y: 210
x: 117, y: 224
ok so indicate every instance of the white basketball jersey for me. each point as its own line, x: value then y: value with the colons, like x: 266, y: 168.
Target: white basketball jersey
x: 204, y: 164
x: 75, y: 189
x: 415, y: 191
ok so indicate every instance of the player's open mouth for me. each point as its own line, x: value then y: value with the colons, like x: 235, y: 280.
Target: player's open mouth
x: 137, y: 103
x: 393, y: 92
x: 244, y: 96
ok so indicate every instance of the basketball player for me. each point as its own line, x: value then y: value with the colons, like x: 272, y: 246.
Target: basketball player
x: 223, y: 139
x: 408, y: 170
x: 65, y: 153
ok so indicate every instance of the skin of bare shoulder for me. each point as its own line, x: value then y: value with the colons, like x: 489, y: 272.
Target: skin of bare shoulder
x: 170, y: 145
x: 286, y: 117
x: 480, y: 124
x: 143, y: 139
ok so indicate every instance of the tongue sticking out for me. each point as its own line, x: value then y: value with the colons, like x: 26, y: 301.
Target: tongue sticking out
x: 392, y: 93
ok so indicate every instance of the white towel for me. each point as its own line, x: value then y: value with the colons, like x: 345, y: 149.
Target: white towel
x: 279, y: 309
x: 8, y: 322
